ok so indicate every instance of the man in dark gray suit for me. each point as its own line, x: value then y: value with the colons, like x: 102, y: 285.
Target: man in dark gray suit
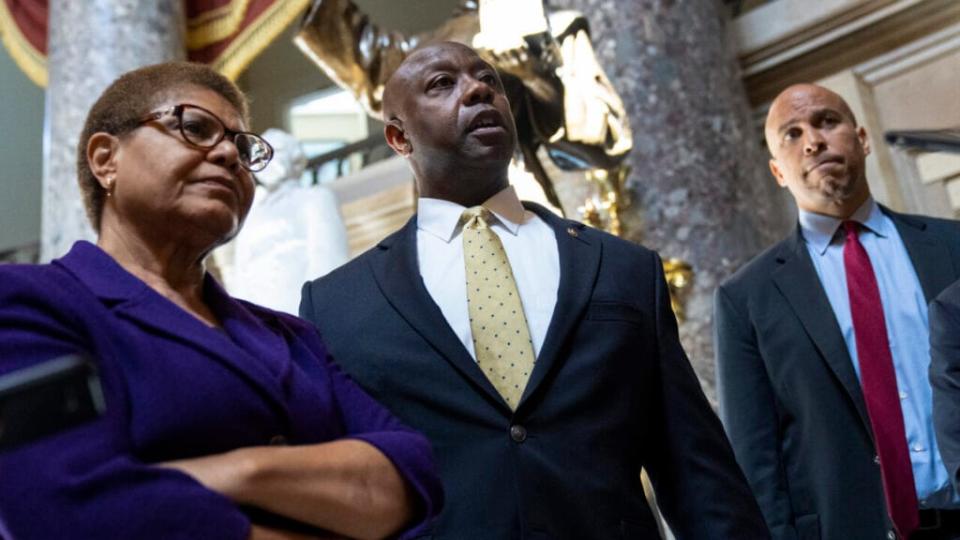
x: 945, y: 376
x: 822, y: 345
x: 545, y: 366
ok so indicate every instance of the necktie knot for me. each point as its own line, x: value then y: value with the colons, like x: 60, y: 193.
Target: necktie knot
x: 476, y: 217
x: 851, y: 228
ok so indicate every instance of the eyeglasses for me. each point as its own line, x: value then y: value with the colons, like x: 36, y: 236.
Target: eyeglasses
x: 204, y: 129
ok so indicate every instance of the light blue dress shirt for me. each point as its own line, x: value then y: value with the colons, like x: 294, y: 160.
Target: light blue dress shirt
x: 905, y: 312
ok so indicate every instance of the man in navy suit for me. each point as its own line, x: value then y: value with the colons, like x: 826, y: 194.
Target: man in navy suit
x: 822, y: 350
x: 556, y: 452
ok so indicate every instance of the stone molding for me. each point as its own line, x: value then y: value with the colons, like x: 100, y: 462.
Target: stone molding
x: 783, y: 42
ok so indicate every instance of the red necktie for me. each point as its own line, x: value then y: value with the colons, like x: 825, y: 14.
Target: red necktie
x: 879, y: 383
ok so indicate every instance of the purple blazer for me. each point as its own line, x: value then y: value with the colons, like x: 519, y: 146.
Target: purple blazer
x: 174, y: 389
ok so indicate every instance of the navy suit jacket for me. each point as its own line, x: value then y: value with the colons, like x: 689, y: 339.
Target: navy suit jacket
x: 945, y: 376
x: 611, y: 392
x: 789, y: 396
x: 174, y: 389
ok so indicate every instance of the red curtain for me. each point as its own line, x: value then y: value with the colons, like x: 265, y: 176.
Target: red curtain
x: 227, y: 34
x: 23, y: 27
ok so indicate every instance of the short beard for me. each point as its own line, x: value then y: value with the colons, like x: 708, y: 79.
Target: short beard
x: 840, y: 190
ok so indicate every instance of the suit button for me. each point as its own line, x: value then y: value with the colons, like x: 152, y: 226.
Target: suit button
x: 876, y: 459
x: 891, y: 535
x: 278, y: 440
x: 518, y: 433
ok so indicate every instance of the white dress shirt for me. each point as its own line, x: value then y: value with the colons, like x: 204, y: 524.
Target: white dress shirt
x: 529, y: 242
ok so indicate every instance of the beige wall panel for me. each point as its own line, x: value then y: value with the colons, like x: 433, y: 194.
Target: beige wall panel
x: 925, y: 97
x: 375, y: 201
x: 920, y: 95
x: 953, y: 191
x: 331, y: 127
x: 369, y: 219
x: 938, y: 167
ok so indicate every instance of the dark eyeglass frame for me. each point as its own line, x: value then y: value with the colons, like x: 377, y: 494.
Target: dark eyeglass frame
x: 177, y: 112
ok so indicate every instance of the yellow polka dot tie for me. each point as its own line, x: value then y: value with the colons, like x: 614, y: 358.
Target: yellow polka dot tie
x: 501, y: 338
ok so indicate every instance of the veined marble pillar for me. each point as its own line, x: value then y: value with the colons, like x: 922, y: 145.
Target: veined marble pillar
x: 700, y: 187
x: 89, y: 45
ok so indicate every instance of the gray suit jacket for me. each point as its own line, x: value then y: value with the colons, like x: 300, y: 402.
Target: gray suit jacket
x: 945, y: 376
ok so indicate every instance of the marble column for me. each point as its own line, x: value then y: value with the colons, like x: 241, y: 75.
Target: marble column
x: 89, y: 45
x: 699, y: 185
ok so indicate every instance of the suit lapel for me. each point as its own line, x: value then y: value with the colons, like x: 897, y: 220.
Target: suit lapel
x: 131, y: 299
x: 397, y: 273
x: 579, y: 263
x: 797, y: 280
x: 927, y: 253
x: 158, y: 314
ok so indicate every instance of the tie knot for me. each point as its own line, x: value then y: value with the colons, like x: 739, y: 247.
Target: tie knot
x: 851, y: 228
x: 476, y: 217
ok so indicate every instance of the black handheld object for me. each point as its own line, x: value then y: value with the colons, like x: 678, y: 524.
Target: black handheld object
x: 44, y: 399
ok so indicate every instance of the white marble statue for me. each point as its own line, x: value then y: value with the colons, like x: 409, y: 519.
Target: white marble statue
x: 293, y: 233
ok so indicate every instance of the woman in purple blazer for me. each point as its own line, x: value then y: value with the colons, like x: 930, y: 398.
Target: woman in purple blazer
x: 223, y: 419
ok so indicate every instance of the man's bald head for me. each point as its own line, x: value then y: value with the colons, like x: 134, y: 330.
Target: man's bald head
x: 445, y: 110
x: 784, y: 108
x: 398, y: 85
x: 817, y: 150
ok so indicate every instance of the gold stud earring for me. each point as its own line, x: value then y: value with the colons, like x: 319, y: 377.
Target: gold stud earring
x: 110, y: 181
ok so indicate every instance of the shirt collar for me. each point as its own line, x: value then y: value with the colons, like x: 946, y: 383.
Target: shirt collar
x: 442, y: 218
x: 819, y: 230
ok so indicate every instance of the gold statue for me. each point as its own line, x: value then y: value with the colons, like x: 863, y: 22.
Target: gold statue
x: 679, y: 275
x: 602, y: 210
x: 562, y: 100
